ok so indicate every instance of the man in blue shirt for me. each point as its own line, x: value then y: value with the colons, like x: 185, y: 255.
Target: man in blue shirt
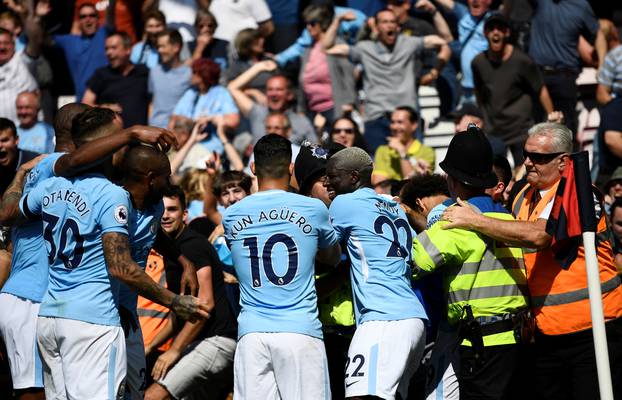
x: 275, y: 236
x: 169, y: 79
x: 389, y: 341
x: 85, y: 52
x: 34, y: 135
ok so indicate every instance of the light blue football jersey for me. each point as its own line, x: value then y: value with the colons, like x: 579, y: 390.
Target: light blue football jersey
x: 379, y: 242
x: 143, y: 227
x: 274, y: 236
x: 29, y: 263
x: 76, y: 213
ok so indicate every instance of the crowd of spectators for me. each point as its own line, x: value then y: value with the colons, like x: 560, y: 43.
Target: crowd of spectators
x: 222, y: 74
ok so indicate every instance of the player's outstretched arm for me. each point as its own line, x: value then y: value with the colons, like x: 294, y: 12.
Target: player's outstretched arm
x: 122, y: 267
x: 94, y: 152
x: 330, y: 255
x: 9, y: 204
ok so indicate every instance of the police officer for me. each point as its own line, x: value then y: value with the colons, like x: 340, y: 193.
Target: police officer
x: 485, y: 279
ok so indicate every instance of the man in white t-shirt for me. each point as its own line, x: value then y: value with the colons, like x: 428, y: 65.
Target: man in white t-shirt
x: 240, y: 15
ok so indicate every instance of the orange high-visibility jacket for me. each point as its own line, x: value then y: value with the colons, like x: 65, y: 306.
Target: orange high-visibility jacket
x: 559, y: 297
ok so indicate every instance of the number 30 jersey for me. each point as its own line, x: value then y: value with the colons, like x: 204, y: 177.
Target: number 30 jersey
x: 274, y: 236
x: 76, y: 213
x: 379, y: 242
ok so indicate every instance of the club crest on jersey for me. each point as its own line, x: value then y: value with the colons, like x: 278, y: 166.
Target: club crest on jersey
x: 121, y: 214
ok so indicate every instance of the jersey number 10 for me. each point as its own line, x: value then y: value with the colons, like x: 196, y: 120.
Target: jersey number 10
x: 69, y: 225
x: 266, y: 259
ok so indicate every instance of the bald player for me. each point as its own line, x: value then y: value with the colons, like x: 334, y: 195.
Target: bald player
x: 274, y: 238
x: 81, y: 341
x: 390, y: 337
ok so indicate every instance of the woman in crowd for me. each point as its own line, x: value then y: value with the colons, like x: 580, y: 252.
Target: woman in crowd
x: 345, y: 132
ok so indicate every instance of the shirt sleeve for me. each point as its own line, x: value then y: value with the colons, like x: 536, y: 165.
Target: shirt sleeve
x: 338, y: 213
x: 260, y: 11
x: 606, y: 74
x: 356, y: 54
x: 532, y: 77
x: 95, y: 83
x: 30, y: 203
x: 228, y: 104
x: 326, y: 233
x: 295, y: 50
x: 184, y: 105
x: 436, y: 247
x: 459, y: 10
x: 114, y: 211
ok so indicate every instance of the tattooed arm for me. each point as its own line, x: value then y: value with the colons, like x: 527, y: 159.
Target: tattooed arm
x: 122, y: 267
x: 9, y: 205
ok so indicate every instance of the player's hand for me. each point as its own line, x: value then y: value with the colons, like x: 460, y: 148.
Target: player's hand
x: 164, y: 363
x: 460, y: 216
x: 27, y: 166
x: 216, y: 233
x: 189, y: 308
x: 154, y: 136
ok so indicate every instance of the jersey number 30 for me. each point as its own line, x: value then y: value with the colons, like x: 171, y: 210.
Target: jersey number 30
x: 266, y: 259
x: 69, y: 225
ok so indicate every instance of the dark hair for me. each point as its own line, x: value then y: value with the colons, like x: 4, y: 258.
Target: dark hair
x: 174, y: 37
x: 176, y: 191
x: 322, y: 13
x: 288, y: 82
x: 208, y: 70
x: 13, y: 16
x: 501, y: 167
x: 7, y: 124
x: 413, y: 115
x: 273, y: 155
x: 87, y: 4
x: 154, y: 14
x: 63, y: 124
x: 359, y: 140
x: 203, y: 14
x: 229, y: 179
x: 88, y: 124
x: 126, y: 39
x: 381, y: 11
x: 244, y: 41
x: 423, y: 186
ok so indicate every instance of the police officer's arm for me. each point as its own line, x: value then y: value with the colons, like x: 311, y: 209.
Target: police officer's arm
x: 9, y: 204
x: 330, y: 255
x: 93, y: 152
x: 434, y: 247
x: 190, y: 330
x: 515, y: 233
x: 122, y: 267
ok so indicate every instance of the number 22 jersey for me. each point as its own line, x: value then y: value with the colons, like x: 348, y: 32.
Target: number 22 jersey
x: 379, y: 242
x: 76, y: 213
x: 274, y: 236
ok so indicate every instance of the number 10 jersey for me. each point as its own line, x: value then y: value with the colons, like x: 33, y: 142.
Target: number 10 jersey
x: 274, y: 236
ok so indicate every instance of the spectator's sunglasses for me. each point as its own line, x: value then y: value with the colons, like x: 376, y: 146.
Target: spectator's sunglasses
x: 85, y: 16
x: 344, y: 130
x: 541, y: 158
x: 313, y: 22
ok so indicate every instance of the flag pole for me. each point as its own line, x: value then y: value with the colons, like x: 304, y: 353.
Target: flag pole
x: 588, y: 229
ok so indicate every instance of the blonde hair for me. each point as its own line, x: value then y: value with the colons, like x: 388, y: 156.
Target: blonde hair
x: 194, y: 184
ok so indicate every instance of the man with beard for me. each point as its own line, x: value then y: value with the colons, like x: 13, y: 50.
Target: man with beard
x: 507, y: 84
x: 120, y: 86
x: 389, y: 76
